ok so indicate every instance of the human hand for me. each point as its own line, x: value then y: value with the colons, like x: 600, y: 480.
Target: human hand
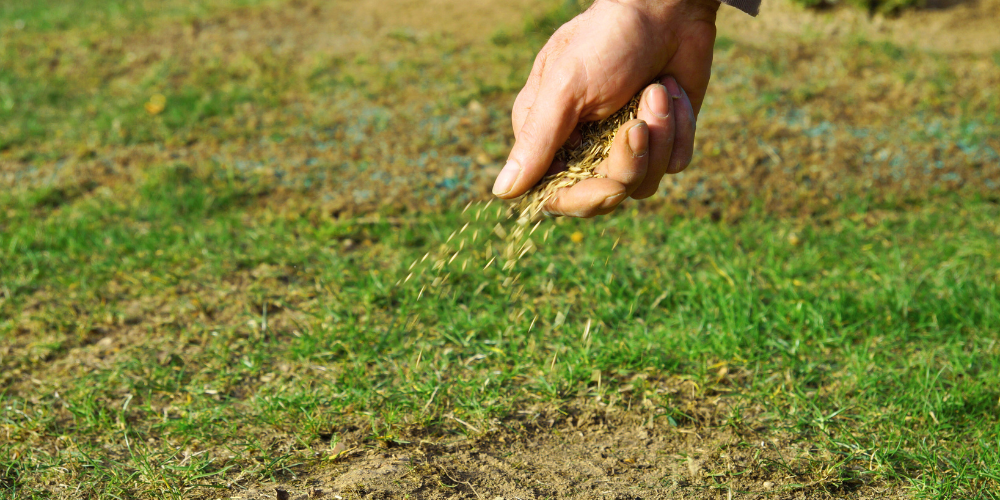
x: 591, y: 67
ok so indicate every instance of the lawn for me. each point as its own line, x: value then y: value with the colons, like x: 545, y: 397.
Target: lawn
x: 211, y: 299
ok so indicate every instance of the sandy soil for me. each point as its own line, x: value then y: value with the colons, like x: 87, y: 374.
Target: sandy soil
x: 586, y: 450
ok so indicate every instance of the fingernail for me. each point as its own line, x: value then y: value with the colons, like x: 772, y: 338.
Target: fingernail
x: 673, y: 88
x: 657, y: 99
x: 612, y: 200
x: 638, y: 140
x: 505, y: 181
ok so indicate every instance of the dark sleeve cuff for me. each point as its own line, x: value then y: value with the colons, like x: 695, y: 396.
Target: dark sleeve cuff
x: 751, y: 7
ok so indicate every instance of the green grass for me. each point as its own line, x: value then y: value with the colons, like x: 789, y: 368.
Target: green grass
x: 71, y: 75
x: 877, y: 342
x: 183, y: 326
x: 61, y: 15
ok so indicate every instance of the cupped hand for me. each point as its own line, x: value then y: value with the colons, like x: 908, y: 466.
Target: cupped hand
x: 591, y: 67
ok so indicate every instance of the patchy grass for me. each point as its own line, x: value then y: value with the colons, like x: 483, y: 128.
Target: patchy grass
x: 799, y: 124
x: 165, y: 338
x: 60, y: 15
x: 204, y: 296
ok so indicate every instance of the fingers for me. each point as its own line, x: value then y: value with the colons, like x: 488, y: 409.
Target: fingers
x: 692, y: 68
x: 587, y: 198
x: 656, y: 109
x: 684, y: 128
x: 628, y: 159
x: 692, y: 64
x: 624, y: 169
x: 549, y: 122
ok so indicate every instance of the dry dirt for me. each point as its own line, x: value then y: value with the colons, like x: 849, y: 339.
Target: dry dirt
x: 587, y: 450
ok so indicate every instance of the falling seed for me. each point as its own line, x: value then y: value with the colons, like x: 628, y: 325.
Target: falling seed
x: 408, y: 277
x: 452, y: 258
x: 488, y: 263
x: 421, y: 294
x: 586, y: 331
x: 534, y: 228
x: 616, y: 244
x: 467, y: 207
x: 529, y: 246
x: 450, y: 237
x: 560, y: 319
x: 425, y: 256
x: 411, y: 265
x: 466, y: 226
x: 500, y: 231
x: 532, y: 325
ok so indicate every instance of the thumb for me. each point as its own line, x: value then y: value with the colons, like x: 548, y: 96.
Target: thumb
x: 548, y: 125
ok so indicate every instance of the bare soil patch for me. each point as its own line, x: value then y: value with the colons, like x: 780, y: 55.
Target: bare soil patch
x: 588, y: 450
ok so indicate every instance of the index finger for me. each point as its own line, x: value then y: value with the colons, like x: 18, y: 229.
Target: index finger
x: 548, y: 124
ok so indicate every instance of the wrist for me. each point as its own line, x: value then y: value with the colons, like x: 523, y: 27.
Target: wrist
x: 666, y: 10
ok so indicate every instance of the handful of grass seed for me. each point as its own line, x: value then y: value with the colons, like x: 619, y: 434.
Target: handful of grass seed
x: 581, y: 162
